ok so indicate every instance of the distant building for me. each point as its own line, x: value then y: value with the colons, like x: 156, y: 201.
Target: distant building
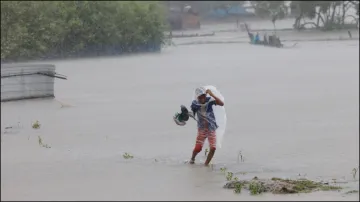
x: 240, y: 11
x: 183, y: 17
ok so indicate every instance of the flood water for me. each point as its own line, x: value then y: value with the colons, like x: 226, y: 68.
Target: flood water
x: 290, y: 112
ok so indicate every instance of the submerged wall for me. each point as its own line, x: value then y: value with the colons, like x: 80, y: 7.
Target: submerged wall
x: 26, y: 81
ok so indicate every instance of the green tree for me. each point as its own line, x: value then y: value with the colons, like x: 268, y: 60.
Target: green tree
x: 275, y: 10
x: 37, y: 29
x: 328, y: 14
x: 303, y: 9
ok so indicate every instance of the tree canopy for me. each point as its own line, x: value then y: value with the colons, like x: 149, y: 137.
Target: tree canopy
x: 40, y: 29
x: 328, y: 14
x: 275, y: 10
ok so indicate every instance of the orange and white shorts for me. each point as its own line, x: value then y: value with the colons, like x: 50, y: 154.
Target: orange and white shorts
x: 203, y: 134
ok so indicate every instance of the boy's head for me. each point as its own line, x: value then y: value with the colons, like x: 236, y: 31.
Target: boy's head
x: 201, y: 95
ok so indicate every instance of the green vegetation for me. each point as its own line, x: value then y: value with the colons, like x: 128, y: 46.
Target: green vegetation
x: 303, y: 186
x: 276, y: 10
x: 352, y: 192
x: 36, y: 125
x: 57, y: 29
x: 238, y: 188
x: 256, y: 188
x: 206, y: 151
x: 229, y: 176
x: 329, y: 15
x: 278, y: 186
x: 223, y: 170
x: 42, y: 144
x: 128, y: 156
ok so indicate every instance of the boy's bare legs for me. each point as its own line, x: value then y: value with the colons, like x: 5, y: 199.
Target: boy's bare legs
x: 202, y: 135
x: 198, y: 145
x: 192, y: 160
x: 208, y: 159
x: 210, y: 156
x: 212, y: 142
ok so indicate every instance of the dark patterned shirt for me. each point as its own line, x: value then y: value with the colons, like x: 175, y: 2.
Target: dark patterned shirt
x: 205, y: 114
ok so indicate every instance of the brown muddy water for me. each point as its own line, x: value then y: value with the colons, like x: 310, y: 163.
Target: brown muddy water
x: 291, y: 112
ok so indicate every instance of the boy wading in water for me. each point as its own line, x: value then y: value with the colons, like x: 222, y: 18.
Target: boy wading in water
x: 206, y: 123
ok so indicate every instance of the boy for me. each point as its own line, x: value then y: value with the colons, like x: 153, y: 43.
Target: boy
x: 206, y: 123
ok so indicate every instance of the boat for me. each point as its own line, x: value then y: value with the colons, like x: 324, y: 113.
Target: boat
x: 267, y: 45
x: 277, y: 43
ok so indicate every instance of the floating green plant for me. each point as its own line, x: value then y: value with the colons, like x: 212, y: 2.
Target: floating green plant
x: 42, y: 144
x: 36, y: 125
x: 223, y: 170
x: 127, y: 156
x: 238, y: 188
x: 352, y: 192
x: 256, y: 188
x: 279, y: 186
x: 229, y: 176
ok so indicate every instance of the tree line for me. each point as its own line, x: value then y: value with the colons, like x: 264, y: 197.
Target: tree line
x: 328, y: 15
x: 57, y: 29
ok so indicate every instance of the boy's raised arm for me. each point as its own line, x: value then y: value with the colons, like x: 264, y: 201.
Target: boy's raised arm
x: 218, y: 101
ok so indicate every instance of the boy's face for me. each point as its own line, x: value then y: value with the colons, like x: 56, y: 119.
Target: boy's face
x: 202, y: 99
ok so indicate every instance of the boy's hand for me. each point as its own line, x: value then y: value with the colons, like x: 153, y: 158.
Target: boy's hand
x: 217, y: 100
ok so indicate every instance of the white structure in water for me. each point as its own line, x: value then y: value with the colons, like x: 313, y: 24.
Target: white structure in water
x: 27, y: 81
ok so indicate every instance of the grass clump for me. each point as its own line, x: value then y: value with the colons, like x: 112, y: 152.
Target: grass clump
x: 127, y: 156
x: 303, y: 186
x: 206, y: 151
x: 229, y: 176
x: 256, y: 188
x: 223, y: 170
x: 42, y: 144
x: 36, y: 125
x: 238, y: 188
x: 352, y: 192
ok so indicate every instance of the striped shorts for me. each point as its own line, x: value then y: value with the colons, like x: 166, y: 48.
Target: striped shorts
x: 203, y: 134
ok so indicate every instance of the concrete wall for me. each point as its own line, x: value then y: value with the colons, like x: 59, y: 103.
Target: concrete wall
x: 26, y: 86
